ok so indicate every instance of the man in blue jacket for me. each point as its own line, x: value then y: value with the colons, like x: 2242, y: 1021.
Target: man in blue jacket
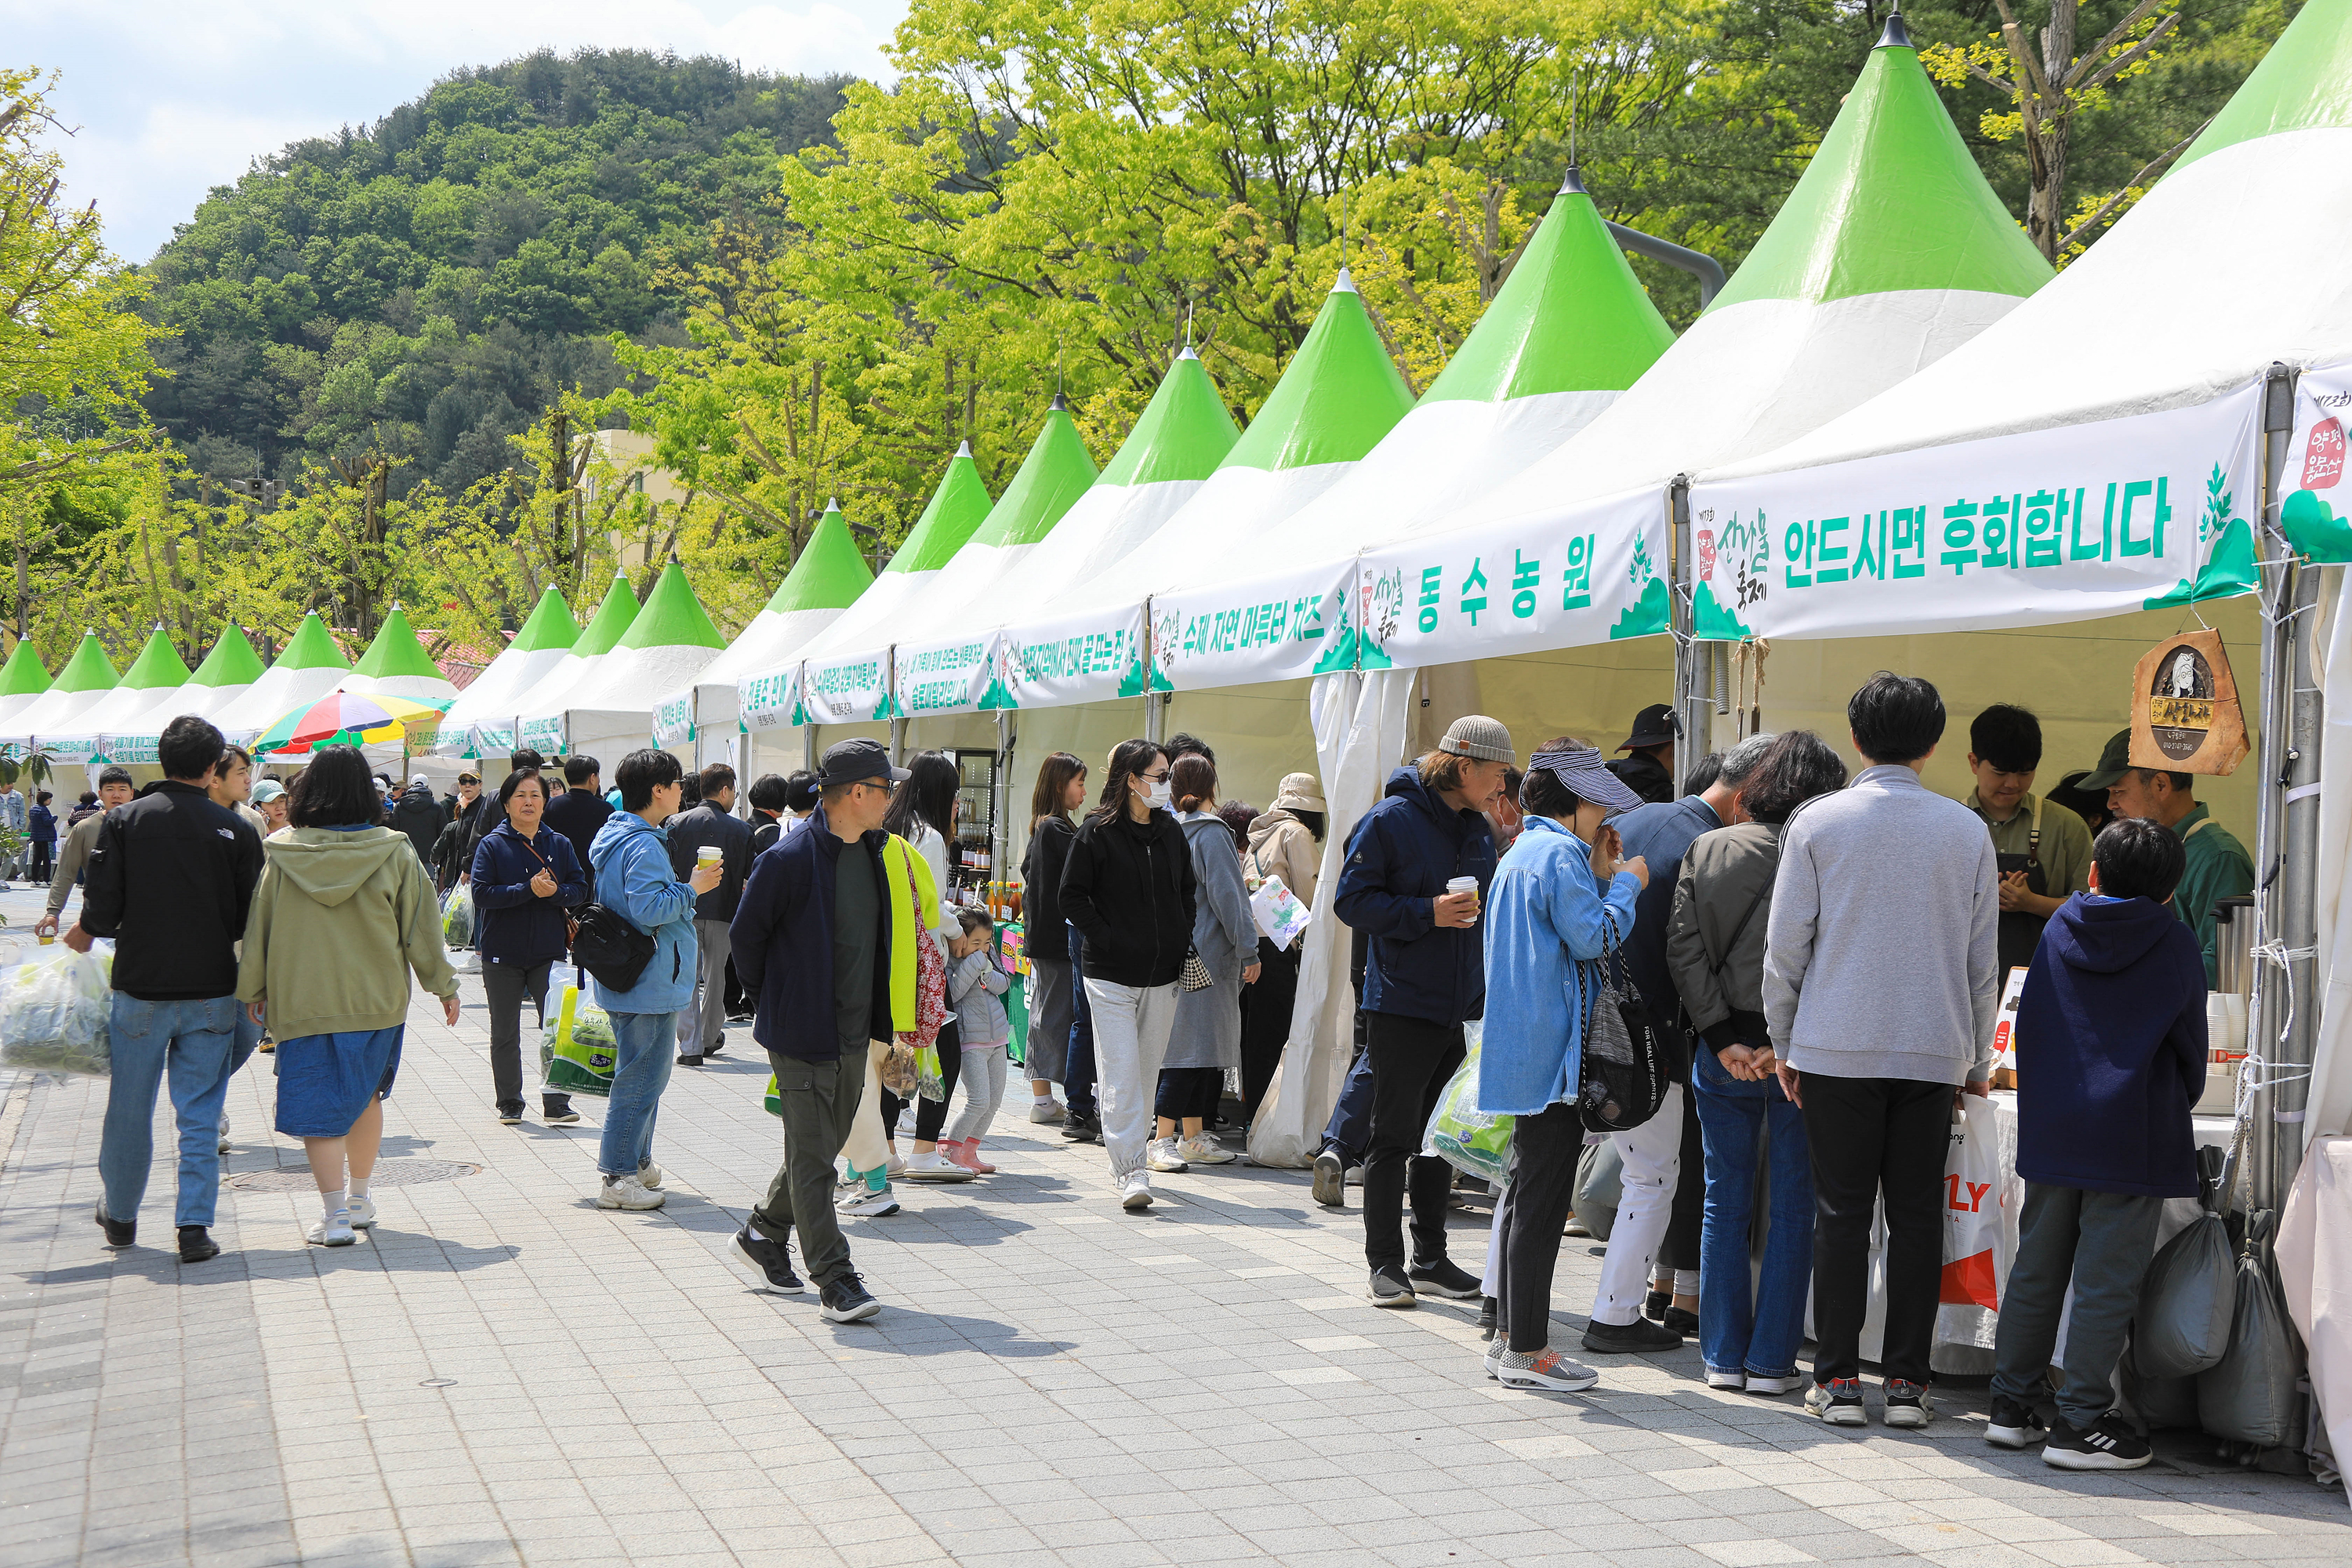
x: 1425, y: 976
x: 630, y: 858
x: 811, y: 941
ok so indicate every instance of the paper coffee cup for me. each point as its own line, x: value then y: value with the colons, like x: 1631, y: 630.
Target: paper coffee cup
x: 1465, y: 885
x: 708, y: 855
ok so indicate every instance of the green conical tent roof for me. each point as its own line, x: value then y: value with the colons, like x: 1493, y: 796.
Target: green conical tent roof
x: 957, y: 510
x: 88, y: 671
x: 672, y: 617
x: 313, y: 648
x: 2305, y: 83
x: 1184, y: 432
x: 612, y: 622
x: 549, y: 625
x: 1338, y: 396
x: 830, y: 573
x: 1890, y: 201
x: 1056, y: 473
x: 24, y: 675
x: 159, y: 665
x: 395, y: 651
x: 1571, y: 317
x: 232, y: 661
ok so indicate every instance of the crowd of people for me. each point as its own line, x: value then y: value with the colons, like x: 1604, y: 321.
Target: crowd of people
x: 1776, y: 962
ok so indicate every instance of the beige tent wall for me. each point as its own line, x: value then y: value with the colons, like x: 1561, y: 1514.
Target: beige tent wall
x: 2075, y: 678
x: 1259, y: 733
x: 1591, y: 693
x: 1088, y: 730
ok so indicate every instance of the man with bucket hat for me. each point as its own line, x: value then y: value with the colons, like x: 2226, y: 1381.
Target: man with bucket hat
x: 1417, y: 871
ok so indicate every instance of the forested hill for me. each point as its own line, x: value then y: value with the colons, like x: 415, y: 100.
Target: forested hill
x: 425, y: 285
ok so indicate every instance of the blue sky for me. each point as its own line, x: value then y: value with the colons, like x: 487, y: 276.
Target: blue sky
x: 168, y: 99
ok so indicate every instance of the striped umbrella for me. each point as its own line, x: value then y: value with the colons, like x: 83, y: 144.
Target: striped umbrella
x: 349, y: 718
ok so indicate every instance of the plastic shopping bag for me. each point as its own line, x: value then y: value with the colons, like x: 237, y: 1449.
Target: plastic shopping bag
x: 1975, y: 1189
x: 771, y: 1101
x: 577, y: 1052
x: 927, y: 1081
x: 54, y: 1013
x: 1470, y: 1140
x: 458, y: 918
x: 1281, y: 917
x: 1600, y: 1188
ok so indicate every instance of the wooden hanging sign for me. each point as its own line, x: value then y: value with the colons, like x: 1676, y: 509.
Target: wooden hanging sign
x: 2185, y: 712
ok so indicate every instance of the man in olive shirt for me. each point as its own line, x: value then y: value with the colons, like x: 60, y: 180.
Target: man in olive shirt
x: 114, y: 788
x: 2219, y: 866
x: 2044, y: 851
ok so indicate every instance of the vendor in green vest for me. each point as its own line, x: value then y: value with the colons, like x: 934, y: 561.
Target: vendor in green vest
x: 2218, y: 867
x: 2043, y: 851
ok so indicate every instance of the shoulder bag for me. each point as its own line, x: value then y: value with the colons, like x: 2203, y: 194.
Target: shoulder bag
x: 1620, y: 1070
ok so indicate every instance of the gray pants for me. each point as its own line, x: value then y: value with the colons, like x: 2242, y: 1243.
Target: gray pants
x: 702, y: 1022
x: 2103, y: 1241
x: 819, y: 1105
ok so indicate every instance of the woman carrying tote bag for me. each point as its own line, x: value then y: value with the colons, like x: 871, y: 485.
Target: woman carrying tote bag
x: 1206, y: 1039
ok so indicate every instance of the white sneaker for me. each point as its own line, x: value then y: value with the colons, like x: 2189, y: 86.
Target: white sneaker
x: 334, y: 1230
x: 628, y: 1193
x: 864, y: 1204
x: 363, y: 1211
x: 1161, y: 1155
x: 649, y: 1176
x: 1203, y: 1150
x: 934, y: 1167
x: 1551, y: 1372
x: 1758, y: 1383
x: 1734, y: 1380
x: 1493, y: 1359
x: 224, y: 1144
x: 904, y: 1127
x: 1355, y: 1177
x: 894, y: 1166
x: 1135, y: 1192
x: 1051, y: 1113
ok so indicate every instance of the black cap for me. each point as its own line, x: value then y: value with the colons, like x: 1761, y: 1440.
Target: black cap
x: 1652, y: 726
x: 852, y: 761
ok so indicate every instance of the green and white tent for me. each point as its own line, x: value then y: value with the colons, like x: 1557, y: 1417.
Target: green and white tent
x: 78, y: 688
x: 540, y: 708
x: 396, y: 665
x: 311, y: 668
x: 226, y: 674
x: 124, y: 725
x: 825, y: 581
x: 609, y: 711
x: 23, y: 679
x: 481, y: 721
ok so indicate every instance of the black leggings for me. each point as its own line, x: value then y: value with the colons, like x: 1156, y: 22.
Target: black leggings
x: 1265, y: 1020
x: 931, y: 1115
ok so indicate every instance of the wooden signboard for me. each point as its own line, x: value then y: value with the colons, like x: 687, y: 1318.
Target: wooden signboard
x: 2185, y: 713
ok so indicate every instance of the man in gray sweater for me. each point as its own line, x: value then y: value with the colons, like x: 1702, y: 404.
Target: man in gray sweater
x: 1880, y: 987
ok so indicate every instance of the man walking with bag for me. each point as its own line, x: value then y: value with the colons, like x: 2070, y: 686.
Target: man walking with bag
x: 703, y: 1026
x: 1880, y: 989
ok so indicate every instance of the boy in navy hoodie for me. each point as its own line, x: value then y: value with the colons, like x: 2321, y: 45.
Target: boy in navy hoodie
x: 2112, y: 1054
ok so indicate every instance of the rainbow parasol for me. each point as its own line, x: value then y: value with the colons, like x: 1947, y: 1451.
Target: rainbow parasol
x: 352, y: 718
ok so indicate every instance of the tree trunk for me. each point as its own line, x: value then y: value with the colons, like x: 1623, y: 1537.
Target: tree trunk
x: 2046, y: 212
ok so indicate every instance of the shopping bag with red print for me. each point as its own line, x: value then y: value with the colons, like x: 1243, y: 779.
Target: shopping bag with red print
x: 1974, y: 1189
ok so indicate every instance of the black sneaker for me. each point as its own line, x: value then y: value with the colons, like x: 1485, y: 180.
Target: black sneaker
x: 197, y: 1245
x: 119, y: 1232
x: 845, y: 1300
x: 1487, y: 1312
x: 1682, y: 1322
x: 2012, y: 1424
x: 1629, y: 1338
x: 770, y: 1263
x: 1444, y: 1277
x: 1390, y: 1288
x: 560, y: 1116
x: 509, y: 1115
x: 1654, y: 1305
x: 715, y: 1046
x: 1331, y: 1180
x: 692, y: 1061
x: 2107, y: 1443
x: 1083, y: 1127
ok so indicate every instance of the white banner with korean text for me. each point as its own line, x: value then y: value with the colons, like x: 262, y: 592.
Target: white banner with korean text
x: 852, y: 691
x: 954, y: 677
x: 1283, y: 628
x: 1591, y: 573
x: 2032, y: 529
x: 674, y: 720
x: 771, y: 701
x: 1094, y: 657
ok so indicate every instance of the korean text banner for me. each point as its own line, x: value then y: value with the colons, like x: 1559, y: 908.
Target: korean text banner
x: 955, y: 677
x: 854, y: 690
x: 674, y: 720
x: 1591, y: 573
x: 2032, y: 529
x: 2316, y: 513
x: 1091, y: 658
x: 544, y: 735
x: 1272, y: 628
x: 772, y: 700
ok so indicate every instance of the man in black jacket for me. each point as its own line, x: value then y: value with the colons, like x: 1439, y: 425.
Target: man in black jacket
x: 170, y: 880
x: 580, y: 808
x: 418, y: 815
x: 703, y: 1026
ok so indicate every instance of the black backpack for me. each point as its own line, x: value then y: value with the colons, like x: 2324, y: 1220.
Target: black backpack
x: 609, y: 947
x: 1622, y: 1071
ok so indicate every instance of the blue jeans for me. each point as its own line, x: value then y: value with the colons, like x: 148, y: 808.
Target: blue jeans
x: 647, y: 1048
x: 1078, y: 1082
x: 1733, y: 1334
x: 1349, y: 1131
x: 197, y: 1043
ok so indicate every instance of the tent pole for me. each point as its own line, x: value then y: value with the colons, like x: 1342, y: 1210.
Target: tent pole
x: 898, y: 719
x: 1000, y: 855
x: 1694, y: 705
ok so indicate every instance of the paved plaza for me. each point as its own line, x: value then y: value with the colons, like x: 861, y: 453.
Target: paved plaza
x: 503, y: 1374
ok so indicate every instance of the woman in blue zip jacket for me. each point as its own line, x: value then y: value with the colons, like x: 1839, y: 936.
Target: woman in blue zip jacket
x: 526, y: 875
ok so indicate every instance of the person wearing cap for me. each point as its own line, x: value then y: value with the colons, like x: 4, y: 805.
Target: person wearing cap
x: 1649, y: 771
x: 269, y: 800
x: 418, y: 817
x: 1564, y: 899
x: 1425, y: 977
x: 825, y: 938
x: 629, y: 862
x: 114, y: 788
x: 2042, y: 850
x: 1880, y: 992
x: 1286, y: 841
x: 2218, y: 867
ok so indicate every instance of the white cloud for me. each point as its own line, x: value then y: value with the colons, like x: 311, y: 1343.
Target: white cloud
x: 171, y: 98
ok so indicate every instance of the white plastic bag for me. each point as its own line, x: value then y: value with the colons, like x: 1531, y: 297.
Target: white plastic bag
x: 1976, y: 1245
x: 1281, y: 917
x: 54, y: 1013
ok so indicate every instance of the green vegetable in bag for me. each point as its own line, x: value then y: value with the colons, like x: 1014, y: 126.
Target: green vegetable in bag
x: 1470, y: 1140
x: 577, y: 1052
x: 458, y: 918
x: 929, y: 1084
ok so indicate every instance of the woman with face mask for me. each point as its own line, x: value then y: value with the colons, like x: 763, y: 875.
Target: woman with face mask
x: 1129, y: 886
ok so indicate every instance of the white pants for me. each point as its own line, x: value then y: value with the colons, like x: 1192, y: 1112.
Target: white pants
x: 868, y: 1148
x: 1653, y: 1155
x: 1131, y: 1029
x: 983, y: 1090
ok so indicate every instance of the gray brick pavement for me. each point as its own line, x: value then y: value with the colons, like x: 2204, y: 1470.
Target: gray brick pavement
x: 1052, y: 1380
